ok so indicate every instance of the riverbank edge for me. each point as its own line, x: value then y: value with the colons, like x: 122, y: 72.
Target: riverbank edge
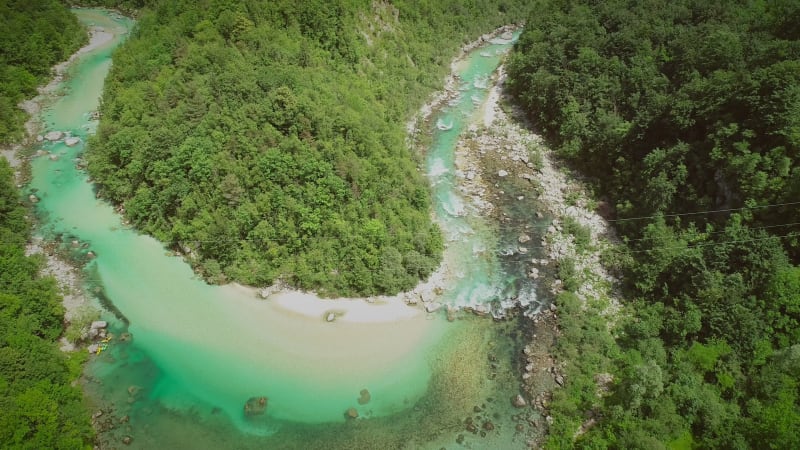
x: 506, y: 141
x: 67, y: 273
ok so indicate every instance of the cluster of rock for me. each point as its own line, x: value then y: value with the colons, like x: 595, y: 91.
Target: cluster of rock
x: 364, y: 397
x: 57, y: 136
x: 104, y: 420
x: 97, y: 330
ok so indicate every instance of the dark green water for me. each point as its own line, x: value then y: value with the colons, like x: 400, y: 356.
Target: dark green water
x: 199, y: 352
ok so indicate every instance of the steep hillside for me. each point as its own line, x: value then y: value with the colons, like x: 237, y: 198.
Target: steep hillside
x: 687, y: 117
x: 266, y: 139
x: 36, y: 35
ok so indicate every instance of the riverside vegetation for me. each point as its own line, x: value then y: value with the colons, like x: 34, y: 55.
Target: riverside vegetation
x: 265, y: 140
x: 36, y: 35
x: 673, y: 108
x: 40, y: 408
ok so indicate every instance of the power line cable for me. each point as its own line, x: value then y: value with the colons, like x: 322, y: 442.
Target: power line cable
x: 624, y: 219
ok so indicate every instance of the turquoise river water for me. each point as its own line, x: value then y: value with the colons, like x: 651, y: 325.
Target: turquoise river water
x: 198, y: 352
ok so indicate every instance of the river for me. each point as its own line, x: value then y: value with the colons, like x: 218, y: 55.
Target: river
x: 199, y: 352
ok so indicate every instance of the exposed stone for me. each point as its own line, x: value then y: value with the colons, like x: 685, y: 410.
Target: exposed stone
x: 92, y: 348
x: 519, y: 401
x: 72, y: 141
x: 98, y: 325
x: 502, y: 173
x: 330, y: 317
x: 33, y: 199
x: 53, y: 136
x: 432, y: 306
x: 560, y: 380
x: 523, y: 238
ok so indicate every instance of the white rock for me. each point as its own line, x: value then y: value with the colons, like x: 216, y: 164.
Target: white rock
x: 330, y: 317
x: 92, y: 348
x: 502, y: 173
x: 98, y: 324
x: 53, y: 136
x: 433, y: 307
x: 72, y: 141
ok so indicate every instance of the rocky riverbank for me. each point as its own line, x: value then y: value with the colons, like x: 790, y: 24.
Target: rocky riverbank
x: 499, y: 149
x: 69, y: 278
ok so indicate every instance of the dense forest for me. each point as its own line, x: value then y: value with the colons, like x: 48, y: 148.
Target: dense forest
x: 36, y: 35
x: 675, y: 109
x: 265, y: 140
x: 40, y: 407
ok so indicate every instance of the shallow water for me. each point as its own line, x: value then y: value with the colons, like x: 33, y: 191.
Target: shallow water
x: 486, y: 278
x: 199, y: 352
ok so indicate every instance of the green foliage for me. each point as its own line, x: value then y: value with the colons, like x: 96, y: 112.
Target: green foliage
x: 36, y: 35
x: 679, y: 107
x: 40, y: 408
x: 268, y: 137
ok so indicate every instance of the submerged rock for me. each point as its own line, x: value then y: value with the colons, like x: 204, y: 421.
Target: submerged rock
x: 255, y: 406
x: 72, y: 141
x: 365, y: 397
x: 330, y: 317
x: 519, y: 401
x: 351, y: 413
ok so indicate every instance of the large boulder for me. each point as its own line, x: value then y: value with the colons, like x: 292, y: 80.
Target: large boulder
x: 72, y: 141
x: 53, y: 136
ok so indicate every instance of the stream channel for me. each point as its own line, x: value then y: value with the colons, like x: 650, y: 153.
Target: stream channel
x: 199, y: 352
